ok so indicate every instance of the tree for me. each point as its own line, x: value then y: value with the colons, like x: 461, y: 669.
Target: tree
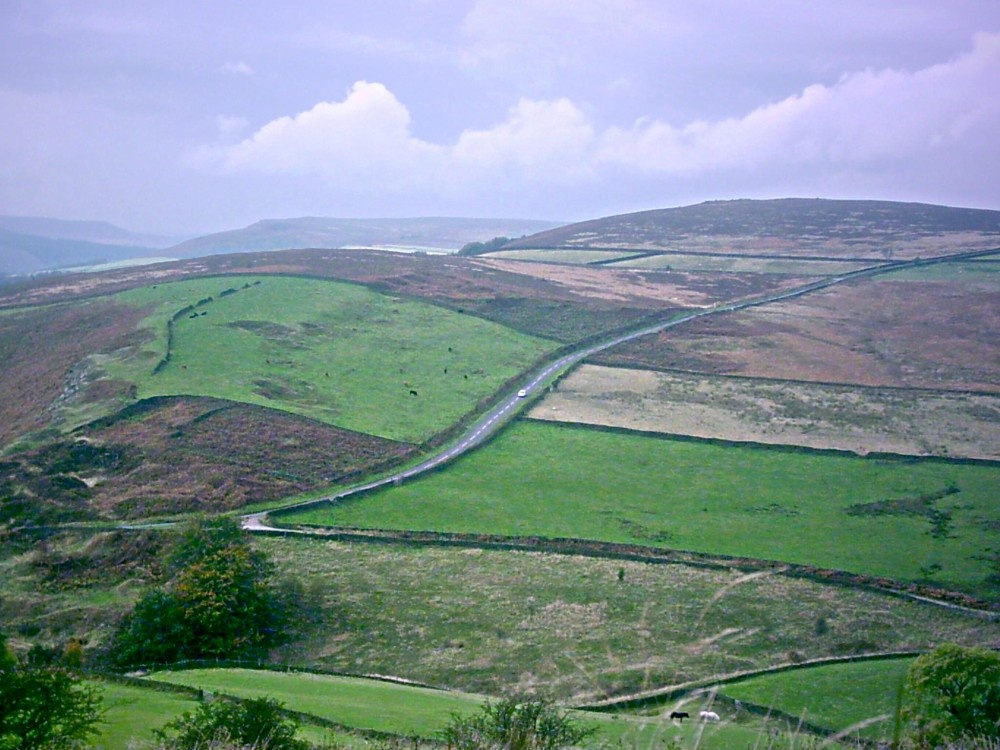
x: 259, y: 723
x: 515, y: 725
x: 219, y: 603
x: 45, y: 707
x: 953, y: 692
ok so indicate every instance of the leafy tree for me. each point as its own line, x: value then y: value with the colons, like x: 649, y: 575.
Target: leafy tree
x: 219, y: 603
x: 259, y: 723
x: 953, y: 692
x: 480, y: 248
x: 45, y: 707
x: 515, y: 725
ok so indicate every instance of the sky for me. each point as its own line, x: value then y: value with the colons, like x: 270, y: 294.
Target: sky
x: 194, y: 116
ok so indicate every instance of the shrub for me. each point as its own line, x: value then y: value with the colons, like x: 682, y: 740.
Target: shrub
x: 953, y: 693
x: 515, y: 725
x: 259, y: 723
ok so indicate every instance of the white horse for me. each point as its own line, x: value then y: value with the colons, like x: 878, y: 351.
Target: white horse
x: 708, y: 716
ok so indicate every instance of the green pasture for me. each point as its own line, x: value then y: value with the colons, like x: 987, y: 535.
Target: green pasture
x: 904, y: 518
x: 335, y: 352
x: 352, y: 702
x: 410, y: 711
x: 836, y: 696
x: 132, y: 713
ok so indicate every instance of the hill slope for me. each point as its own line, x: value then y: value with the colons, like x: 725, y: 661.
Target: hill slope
x: 27, y: 253
x: 89, y: 231
x: 791, y: 226
x: 447, y: 234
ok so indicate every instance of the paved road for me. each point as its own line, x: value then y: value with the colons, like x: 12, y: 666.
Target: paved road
x: 493, y: 420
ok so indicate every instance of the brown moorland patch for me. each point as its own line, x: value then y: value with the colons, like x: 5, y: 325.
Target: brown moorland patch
x: 44, y: 354
x: 917, y: 334
x: 681, y: 289
x: 863, y: 420
x: 176, y: 455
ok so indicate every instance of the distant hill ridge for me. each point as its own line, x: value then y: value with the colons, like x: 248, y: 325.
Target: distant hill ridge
x: 441, y: 233
x: 99, y: 232
x: 34, y: 244
x: 861, y: 225
x: 26, y: 253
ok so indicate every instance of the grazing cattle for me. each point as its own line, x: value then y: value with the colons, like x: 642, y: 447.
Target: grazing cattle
x: 413, y: 392
x: 708, y: 716
x: 679, y: 715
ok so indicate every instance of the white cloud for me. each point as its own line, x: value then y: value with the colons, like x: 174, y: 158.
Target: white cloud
x: 864, y: 118
x: 238, y: 67
x: 861, y: 123
x: 366, y: 135
x: 541, y: 140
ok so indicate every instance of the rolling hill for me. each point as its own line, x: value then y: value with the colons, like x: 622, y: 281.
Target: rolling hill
x: 790, y: 226
x: 440, y: 234
x: 35, y: 244
x: 802, y: 468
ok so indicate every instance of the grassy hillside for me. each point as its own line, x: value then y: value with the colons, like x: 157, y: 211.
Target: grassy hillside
x: 860, y: 694
x: 904, y: 518
x: 336, y: 353
x: 230, y: 382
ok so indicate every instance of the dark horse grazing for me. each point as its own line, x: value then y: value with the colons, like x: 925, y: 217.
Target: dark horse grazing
x: 680, y: 715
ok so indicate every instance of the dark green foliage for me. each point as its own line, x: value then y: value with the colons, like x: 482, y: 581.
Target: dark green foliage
x: 205, y: 538
x: 481, y: 248
x: 515, y: 725
x: 219, y: 603
x: 45, y: 707
x: 921, y: 506
x: 953, y: 693
x: 259, y: 723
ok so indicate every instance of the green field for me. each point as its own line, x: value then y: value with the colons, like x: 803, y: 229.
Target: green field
x: 334, y: 352
x: 134, y: 712
x: 371, y: 705
x: 352, y: 702
x: 836, y: 696
x: 906, y: 519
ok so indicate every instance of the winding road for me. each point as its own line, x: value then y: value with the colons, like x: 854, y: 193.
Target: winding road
x: 493, y: 420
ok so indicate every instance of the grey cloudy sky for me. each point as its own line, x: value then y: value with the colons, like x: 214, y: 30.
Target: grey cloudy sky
x: 204, y: 115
